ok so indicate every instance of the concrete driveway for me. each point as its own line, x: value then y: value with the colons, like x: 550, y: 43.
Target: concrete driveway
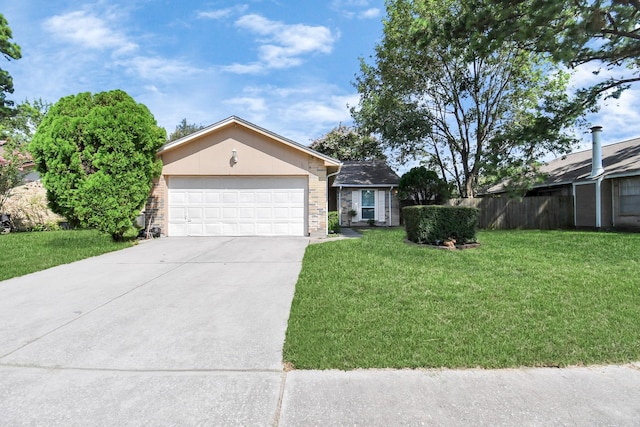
x: 176, y: 331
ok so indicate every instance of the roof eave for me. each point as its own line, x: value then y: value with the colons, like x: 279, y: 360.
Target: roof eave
x: 328, y: 161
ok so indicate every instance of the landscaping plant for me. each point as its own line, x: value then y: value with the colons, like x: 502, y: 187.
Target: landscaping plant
x: 96, y: 155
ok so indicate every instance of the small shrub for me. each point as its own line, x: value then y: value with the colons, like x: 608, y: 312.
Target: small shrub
x: 435, y: 224
x: 371, y: 222
x: 334, y: 222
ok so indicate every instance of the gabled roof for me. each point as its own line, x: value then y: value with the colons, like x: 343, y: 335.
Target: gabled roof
x: 618, y: 160
x: 371, y: 173
x: 234, y: 120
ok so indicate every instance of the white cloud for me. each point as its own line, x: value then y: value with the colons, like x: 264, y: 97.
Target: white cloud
x: 355, y: 8
x: 253, y: 68
x: 370, y: 13
x: 282, y: 45
x: 160, y: 69
x: 224, y: 13
x: 301, y: 113
x: 253, y: 105
x: 619, y: 117
x: 88, y: 31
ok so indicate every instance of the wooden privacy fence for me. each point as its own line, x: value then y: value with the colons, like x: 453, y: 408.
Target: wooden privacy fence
x: 544, y: 213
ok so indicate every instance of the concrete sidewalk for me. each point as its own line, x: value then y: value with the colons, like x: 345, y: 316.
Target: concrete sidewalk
x: 182, y: 332
x: 594, y: 396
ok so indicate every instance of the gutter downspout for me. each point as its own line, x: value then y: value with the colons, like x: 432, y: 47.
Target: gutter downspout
x: 340, y: 206
x: 390, y: 210
x: 326, y: 220
x: 597, y: 171
x: 575, y: 212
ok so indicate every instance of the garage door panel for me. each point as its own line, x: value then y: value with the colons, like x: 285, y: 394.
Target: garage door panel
x: 210, y: 206
x: 177, y: 197
x: 195, y: 213
x: 263, y: 198
x: 263, y: 213
x: 178, y: 212
x: 246, y: 213
x: 213, y: 229
x: 212, y: 214
x: 212, y: 197
x: 229, y: 213
x: 246, y: 197
x: 280, y: 213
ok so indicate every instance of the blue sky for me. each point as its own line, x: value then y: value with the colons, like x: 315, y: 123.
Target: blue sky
x: 287, y: 66
x: 284, y: 65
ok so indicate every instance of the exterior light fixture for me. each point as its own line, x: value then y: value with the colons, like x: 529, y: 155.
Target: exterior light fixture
x: 234, y: 155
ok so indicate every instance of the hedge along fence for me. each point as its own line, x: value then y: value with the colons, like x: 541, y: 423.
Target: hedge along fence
x: 434, y: 224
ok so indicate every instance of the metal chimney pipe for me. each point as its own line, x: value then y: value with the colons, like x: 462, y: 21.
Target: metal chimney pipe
x: 596, y: 154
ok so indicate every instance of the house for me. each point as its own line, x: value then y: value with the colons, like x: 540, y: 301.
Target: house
x: 368, y: 189
x: 604, y: 183
x: 28, y: 166
x: 234, y: 178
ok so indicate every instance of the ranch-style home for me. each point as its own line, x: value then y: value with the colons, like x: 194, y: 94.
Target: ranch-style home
x: 604, y: 183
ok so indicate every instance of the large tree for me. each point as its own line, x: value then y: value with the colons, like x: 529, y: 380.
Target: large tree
x: 348, y: 143
x: 183, y: 129
x: 465, y: 111
x: 575, y: 32
x: 423, y: 187
x: 97, y: 156
x: 10, y: 51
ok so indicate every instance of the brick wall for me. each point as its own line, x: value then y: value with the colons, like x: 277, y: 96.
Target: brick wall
x: 155, y: 209
x: 317, y: 197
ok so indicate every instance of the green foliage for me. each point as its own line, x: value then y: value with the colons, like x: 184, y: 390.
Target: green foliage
x: 435, y: 224
x: 461, y: 109
x: 21, y: 125
x: 12, y: 160
x: 10, y: 51
x: 97, y: 156
x: 574, y: 32
x: 183, y: 129
x: 348, y: 143
x: 423, y: 187
x: 334, y: 222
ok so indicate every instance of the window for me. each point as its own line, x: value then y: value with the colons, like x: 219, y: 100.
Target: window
x: 630, y: 196
x: 368, y: 204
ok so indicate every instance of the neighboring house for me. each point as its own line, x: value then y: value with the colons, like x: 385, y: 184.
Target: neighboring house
x: 370, y: 190
x: 29, y: 167
x: 604, y: 183
x: 234, y: 178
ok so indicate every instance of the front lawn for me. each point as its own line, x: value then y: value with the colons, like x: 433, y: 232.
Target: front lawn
x: 524, y: 298
x: 24, y: 253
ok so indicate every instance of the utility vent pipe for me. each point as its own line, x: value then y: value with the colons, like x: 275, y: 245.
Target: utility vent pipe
x: 596, y: 159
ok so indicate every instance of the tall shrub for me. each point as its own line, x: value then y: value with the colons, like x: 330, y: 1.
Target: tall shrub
x: 435, y: 224
x: 97, y: 156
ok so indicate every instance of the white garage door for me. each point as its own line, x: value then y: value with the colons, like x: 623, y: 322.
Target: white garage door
x: 264, y: 206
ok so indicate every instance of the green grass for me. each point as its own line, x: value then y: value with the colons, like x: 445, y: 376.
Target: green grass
x: 24, y: 253
x: 524, y: 298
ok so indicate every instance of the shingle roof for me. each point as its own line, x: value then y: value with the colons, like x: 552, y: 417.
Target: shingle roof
x: 619, y: 159
x: 369, y: 173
